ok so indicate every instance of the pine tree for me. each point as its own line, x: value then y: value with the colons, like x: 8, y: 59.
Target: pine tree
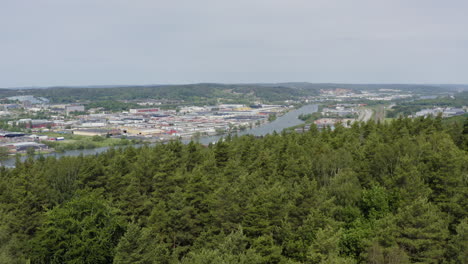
x: 422, y: 232
x: 140, y: 246
x: 84, y: 230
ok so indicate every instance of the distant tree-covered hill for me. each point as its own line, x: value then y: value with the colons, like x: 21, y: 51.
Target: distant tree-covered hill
x: 204, y: 92
x: 191, y: 92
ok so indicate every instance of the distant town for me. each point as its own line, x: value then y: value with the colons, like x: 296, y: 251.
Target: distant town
x: 148, y: 123
x: 32, y: 123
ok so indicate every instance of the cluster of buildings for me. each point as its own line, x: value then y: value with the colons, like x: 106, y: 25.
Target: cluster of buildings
x: 345, y: 114
x: 184, y: 122
x: 16, y: 142
x: 148, y: 122
x: 340, y: 113
x: 343, y: 95
x: 33, y: 104
x: 336, y: 92
x: 341, y: 110
x: 445, y: 112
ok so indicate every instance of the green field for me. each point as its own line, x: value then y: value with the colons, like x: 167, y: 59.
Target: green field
x: 72, y: 142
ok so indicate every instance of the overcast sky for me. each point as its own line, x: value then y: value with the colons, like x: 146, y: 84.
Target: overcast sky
x: 85, y: 42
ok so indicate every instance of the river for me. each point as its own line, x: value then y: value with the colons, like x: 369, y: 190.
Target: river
x: 287, y: 120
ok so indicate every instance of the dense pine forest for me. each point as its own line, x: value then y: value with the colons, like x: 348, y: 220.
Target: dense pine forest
x: 373, y: 193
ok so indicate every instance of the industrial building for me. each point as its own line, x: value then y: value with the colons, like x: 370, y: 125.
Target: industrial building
x: 96, y: 132
x: 74, y: 108
x: 24, y: 146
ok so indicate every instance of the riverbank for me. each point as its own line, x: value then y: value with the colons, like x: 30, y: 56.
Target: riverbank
x: 289, y: 119
x: 77, y: 142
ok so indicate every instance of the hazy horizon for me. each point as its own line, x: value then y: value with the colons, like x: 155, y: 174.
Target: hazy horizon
x: 46, y: 43
x: 465, y: 86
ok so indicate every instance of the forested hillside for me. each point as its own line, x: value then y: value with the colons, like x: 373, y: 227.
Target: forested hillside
x: 194, y: 93
x: 373, y: 193
x: 209, y: 92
